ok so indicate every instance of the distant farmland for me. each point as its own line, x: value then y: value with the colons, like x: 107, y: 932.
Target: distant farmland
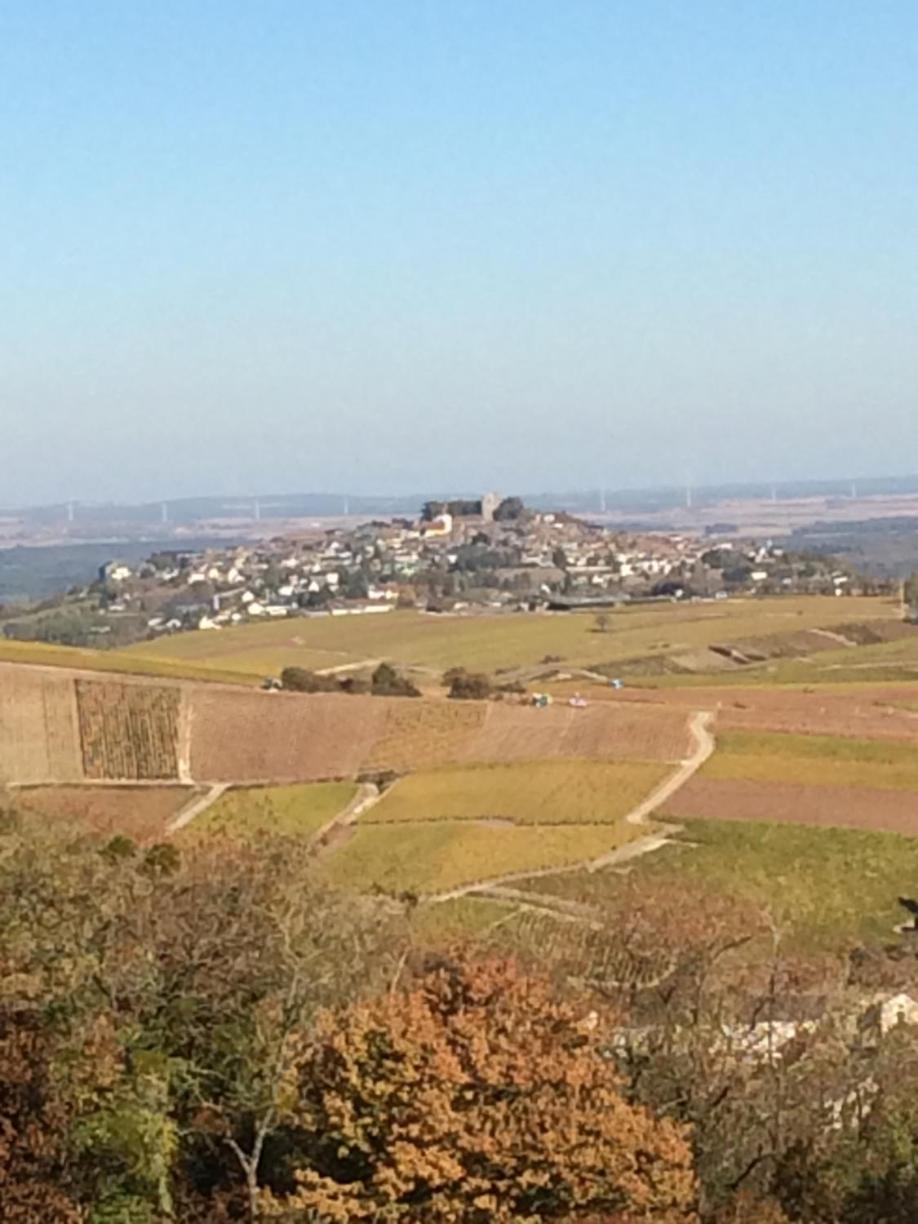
x: 60, y: 726
x: 490, y: 642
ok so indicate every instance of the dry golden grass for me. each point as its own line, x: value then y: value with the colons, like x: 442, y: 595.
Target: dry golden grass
x: 540, y: 792
x: 430, y: 858
x: 123, y: 662
x: 487, y: 642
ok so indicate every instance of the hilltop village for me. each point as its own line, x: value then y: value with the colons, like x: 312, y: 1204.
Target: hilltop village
x: 459, y: 556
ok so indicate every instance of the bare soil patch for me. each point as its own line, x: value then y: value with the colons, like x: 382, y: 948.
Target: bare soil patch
x: 785, y: 802
x: 600, y: 732
x: 867, y: 713
x: 39, y: 740
x: 279, y: 737
x: 138, y: 812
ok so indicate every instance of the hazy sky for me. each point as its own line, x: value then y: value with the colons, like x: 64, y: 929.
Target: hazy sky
x: 298, y: 245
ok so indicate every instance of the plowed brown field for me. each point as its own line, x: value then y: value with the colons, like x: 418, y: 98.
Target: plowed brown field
x: 39, y: 739
x: 280, y: 737
x: 139, y: 812
x: 423, y: 734
x: 65, y: 729
x: 603, y: 732
x: 868, y: 713
x: 284, y: 738
x: 740, y: 799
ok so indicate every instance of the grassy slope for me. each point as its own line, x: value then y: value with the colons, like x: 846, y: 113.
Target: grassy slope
x: 492, y: 642
x: 817, y: 760
x: 826, y: 888
x: 120, y: 661
x: 438, y: 856
x: 540, y: 792
x: 290, y: 810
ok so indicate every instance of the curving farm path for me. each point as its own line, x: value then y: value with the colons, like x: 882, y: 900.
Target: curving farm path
x: 700, y: 731
x: 340, y: 828
x: 196, y: 807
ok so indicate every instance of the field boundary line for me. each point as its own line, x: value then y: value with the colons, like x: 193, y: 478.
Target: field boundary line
x: 196, y: 807
x: 94, y: 783
x: 835, y: 637
x: 700, y: 730
x: 183, y: 746
x: 561, y: 907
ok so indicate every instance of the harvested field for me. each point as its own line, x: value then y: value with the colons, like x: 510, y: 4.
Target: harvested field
x: 293, y: 811
x: 419, y: 734
x: 864, y: 712
x: 39, y: 738
x: 607, y: 731
x: 429, y: 858
x: 138, y: 812
x: 281, y: 737
x: 128, y: 730
x: 895, y: 811
x: 539, y: 792
x: 816, y: 713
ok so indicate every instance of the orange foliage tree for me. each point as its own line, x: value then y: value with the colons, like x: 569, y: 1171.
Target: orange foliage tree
x: 475, y: 1095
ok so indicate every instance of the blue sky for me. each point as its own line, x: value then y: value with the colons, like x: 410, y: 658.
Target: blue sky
x: 336, y: 244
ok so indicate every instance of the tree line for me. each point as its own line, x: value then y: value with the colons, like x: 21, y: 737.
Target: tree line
x: 214, y: 1035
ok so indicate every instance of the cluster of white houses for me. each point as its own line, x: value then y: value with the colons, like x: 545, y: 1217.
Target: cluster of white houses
x: 480, y: 556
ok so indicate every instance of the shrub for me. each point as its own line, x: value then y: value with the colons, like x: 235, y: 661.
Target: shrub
x: 470, y: 686
x: 301, y: 680
x: 388, y: 683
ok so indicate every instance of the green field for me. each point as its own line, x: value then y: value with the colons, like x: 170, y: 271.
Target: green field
x: 539, y: 792
x: 818, y: 760
x: 430, y: 858
x: 826, y: 889
x: 491, y: 642
x: 246, y: 812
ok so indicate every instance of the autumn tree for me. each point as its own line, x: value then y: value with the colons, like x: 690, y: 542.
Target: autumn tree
x: 475, y: 1094
x: 162, y: 998
x: 32, y: 1126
